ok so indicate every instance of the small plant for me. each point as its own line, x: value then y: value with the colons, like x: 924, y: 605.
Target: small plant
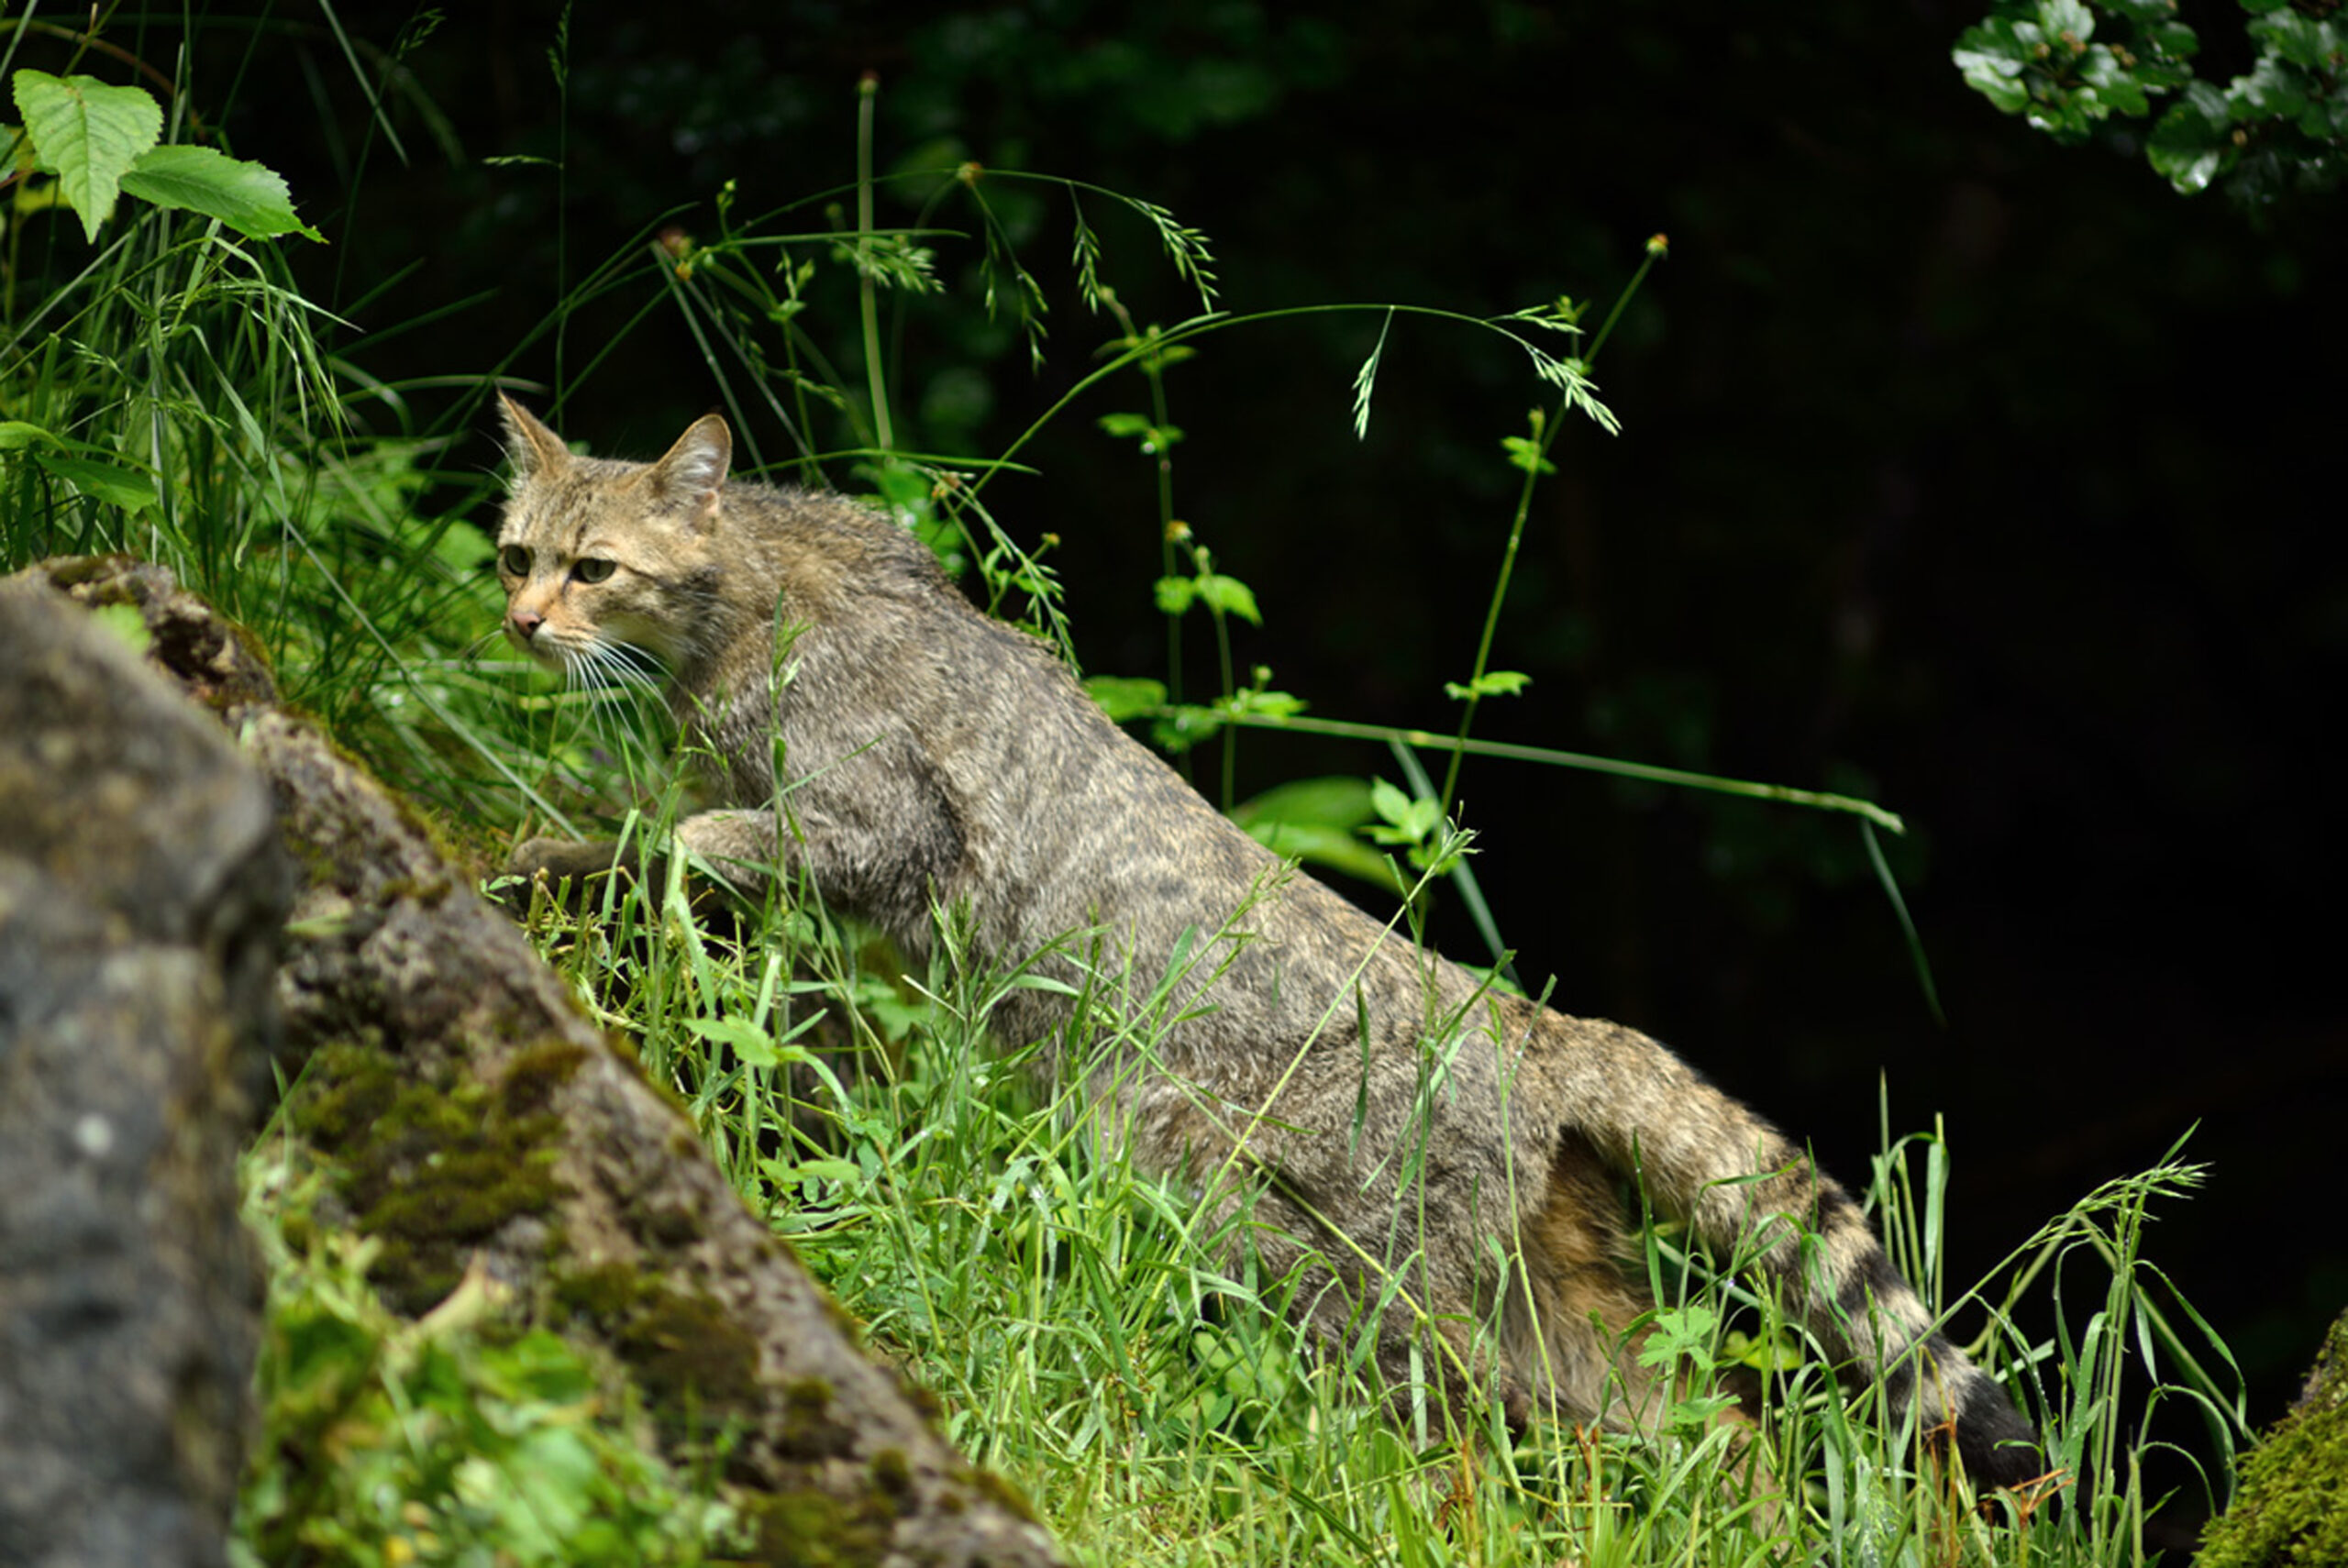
x: 454, y: 1439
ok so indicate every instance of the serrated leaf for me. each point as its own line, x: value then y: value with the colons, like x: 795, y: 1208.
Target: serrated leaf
x: 90, y: 132
x: 1175, y: 594
x: 249, y: 197
x: 126, y: 488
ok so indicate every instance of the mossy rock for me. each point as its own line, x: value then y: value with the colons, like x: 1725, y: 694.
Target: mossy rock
x: 2291, y: 1510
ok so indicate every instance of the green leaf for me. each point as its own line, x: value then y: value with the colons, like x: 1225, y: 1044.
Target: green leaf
x: 1366, y: 378
x: 1408, y: 821
x: 1992, y: 60
x: 89, y: 133
x: 1229, y: 596
x: 1332, y: 848
x: 126, y: 488
x: 2302, y: 41
x: 1155, y: 438
x: 1492, y: 683
x: 125, y: 622
x: 248, y: 197
x: 1314, y: 820
x: 1178, y: 729
x: 1525, y: 453
x: 749, y: 1042
x: 1340, y: 800
x: 16, y: 435
x: 1269, y: 704
x: 2115, y: 88
x: 2272, y: 88
x: 1124, y: 697
x: 2191, y: 144
x: 1175, y: 594
x: 2065, y: 17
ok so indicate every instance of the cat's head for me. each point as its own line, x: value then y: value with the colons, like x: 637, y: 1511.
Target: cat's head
x: 604, y: 562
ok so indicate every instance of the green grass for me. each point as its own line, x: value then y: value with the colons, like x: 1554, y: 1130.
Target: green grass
x: 1087, y: 1331
x: 1091, y: 1336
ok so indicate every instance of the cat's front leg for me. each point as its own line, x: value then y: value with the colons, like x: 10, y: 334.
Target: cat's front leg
x: 740, y: 846
x: 570, y: 867
x: 737, y: 846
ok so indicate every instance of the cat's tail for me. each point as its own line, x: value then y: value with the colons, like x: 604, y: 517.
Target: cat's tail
x: 1749, y: 1193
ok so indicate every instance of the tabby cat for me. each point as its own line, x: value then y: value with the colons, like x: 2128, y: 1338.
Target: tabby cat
x: 1405, y: 1134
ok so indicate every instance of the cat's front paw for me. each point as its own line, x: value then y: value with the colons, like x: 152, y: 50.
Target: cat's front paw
x: 564, y: 865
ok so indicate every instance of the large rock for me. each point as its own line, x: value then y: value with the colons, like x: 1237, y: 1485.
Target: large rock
x: 471, y: 1122
x: 141, y: 891
x: 2290, y: 1507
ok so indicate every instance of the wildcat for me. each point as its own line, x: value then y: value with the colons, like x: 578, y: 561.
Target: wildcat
x: 1402, y: 1128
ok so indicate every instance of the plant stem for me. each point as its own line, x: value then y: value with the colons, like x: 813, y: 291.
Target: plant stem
x: 868, y: 91
x: 1821, y: 800
x: 1547, y: 431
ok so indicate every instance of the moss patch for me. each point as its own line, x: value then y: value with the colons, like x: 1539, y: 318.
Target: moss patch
x: 434, y: 1169
x: 2292, y: 1508
x: 814, y: 1529
x: 697, y: 1367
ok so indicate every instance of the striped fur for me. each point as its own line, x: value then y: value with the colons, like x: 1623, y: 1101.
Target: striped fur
x: 1396, y: 1128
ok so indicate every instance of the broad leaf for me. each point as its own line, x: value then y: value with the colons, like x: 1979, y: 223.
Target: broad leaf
x: 1126, y: 697
x: 2190, y: 144
x: 126, y: 488
x: 89, y: 133
x: 248, y: 197
x: 1229, y: 596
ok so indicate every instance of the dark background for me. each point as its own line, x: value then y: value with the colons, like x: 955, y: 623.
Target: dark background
x: 1988, y: 478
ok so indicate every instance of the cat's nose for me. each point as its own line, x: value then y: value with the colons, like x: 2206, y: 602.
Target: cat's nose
x: 525, y: 623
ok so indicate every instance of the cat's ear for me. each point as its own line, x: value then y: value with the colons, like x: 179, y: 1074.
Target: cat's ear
x: 532, y: 447
x: 689, y: 474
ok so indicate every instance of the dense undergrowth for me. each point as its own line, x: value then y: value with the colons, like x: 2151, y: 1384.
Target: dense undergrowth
x: 170, y: 390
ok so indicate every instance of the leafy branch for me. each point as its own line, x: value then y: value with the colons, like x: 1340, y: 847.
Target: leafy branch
x: 2068, y: 66
x: 97, y: 141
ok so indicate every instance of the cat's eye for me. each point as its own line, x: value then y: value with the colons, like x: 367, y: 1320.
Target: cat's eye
x: 514, y: 560
x: 593, y: 568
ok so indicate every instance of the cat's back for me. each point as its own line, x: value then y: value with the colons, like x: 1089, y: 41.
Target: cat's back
x: 833, y: 552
